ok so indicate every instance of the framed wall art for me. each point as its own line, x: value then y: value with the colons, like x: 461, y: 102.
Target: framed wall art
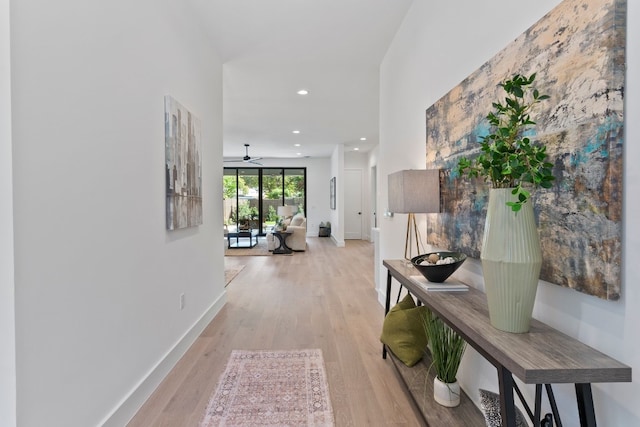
x: 332, y: 193
x: 183, y: 166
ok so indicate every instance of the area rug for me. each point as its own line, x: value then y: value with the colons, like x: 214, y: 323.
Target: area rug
x: 259, y: 249
x: 231, y: 272
x: 271, y: 388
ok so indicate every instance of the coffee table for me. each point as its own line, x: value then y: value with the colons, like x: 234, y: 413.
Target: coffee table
x: 252, y: 235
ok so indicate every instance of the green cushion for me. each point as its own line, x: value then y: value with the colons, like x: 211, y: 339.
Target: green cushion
x: 403, y: 331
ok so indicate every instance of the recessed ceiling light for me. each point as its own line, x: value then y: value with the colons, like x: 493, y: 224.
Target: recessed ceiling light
x: 356, y: 149
x: 299, y: 154
x: 296, y: 131
x: 303, y: 92
x: 363, y: 139
x: 296, y: 145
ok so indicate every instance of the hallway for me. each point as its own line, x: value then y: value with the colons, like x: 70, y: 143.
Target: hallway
x: 322, y: 298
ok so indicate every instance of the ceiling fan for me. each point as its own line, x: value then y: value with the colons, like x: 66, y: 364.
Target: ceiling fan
x: 246, y: 158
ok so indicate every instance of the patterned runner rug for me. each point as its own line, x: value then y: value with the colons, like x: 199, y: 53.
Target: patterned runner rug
x: 271, y: 388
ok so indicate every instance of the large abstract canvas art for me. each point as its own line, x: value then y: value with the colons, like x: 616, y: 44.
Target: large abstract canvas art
x: 577, y: 51
x: 183, y: 168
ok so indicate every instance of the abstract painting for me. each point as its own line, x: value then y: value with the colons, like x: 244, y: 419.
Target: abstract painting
x: 578, y: 53
x: 183, y: 168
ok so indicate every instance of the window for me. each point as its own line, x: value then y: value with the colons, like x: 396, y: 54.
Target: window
x: 252, y: 195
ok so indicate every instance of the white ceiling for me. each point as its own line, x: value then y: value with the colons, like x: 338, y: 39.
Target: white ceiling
x: 273, y: 48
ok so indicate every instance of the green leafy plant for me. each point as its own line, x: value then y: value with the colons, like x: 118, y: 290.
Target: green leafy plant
x: 272, y: 215
x: 232, y: 216
x: 447, y: 347
x: 246, y: 212
x: 509, y: 159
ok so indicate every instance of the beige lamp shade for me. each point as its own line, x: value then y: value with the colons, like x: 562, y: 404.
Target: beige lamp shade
x: 414, y: 191
x: 285, y: 211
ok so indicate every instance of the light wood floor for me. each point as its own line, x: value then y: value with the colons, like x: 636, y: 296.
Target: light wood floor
x: 322, y: 298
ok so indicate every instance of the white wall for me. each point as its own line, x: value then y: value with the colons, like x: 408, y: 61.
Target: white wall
x: 438, y: 45
x: 97, y: 276
x: 337, y: 214
x: 318, y: 176
x: 7, y: 294
x: 374, y: 188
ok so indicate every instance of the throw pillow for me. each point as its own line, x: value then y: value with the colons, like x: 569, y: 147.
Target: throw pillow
x: 297, y: 220
x: 490, y: 405
x: 403, y: 331
x: 405, y: 303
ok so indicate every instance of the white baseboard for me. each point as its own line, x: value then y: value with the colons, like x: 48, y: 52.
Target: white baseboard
x: 382, y: 297
x: 131, y: 404
x: 339, y: 243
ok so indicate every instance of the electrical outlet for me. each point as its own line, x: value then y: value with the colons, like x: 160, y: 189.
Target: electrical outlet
x: 181, y: 301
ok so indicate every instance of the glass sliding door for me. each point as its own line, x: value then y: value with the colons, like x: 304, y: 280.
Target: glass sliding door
x: 249, y: 199
x: 271, y: 196
x: 295, y: 188
x: 230, y: 198
x: 252, y: 196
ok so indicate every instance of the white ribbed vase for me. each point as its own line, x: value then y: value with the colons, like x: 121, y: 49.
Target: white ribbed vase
x: 511, y: 260
x: 446, y: 394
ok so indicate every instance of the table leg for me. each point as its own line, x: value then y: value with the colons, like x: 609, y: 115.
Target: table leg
x: 507, y: 407
x: 538, y: 407
x: 554, y: 406
x: 524, y: 402
x: 386, y: 308
x: 585, y: 405
x: 282, y: 246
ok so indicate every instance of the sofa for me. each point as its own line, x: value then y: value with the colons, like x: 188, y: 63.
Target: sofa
x: 297, y: 241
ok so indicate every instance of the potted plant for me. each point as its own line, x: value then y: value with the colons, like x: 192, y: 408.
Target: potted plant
x: 509, y: 159
x: 513, y: 164
x: 447, y: 348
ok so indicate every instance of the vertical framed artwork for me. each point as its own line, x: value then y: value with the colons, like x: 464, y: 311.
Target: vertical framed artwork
x: 332, y: 193
x: 183, y: 166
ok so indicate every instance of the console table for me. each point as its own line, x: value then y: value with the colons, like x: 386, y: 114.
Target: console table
x: 543, y: 356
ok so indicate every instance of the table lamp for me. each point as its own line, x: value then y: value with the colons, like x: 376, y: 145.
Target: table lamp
x: 285, y: 211
x: 411, y: 192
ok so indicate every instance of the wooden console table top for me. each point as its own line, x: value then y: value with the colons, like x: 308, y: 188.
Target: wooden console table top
x: 541, y: 356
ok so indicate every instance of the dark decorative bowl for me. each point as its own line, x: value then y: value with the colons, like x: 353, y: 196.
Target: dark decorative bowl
x: 438, y: 273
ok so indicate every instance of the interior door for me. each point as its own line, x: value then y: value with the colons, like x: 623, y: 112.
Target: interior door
x: 353, y: 204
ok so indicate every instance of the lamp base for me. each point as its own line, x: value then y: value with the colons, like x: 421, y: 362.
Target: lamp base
x: 412, y: 232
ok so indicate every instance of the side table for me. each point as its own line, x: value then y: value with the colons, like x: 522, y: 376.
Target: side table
x: 282, y: 248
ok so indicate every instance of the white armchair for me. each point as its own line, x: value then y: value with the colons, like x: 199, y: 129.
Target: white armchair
x: 297, y: 241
